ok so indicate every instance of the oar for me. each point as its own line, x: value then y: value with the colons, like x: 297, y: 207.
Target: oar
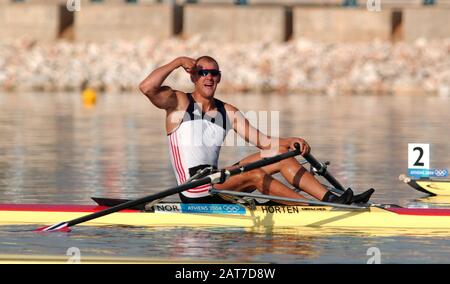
x: 218, y: 177
x: 321, y: 169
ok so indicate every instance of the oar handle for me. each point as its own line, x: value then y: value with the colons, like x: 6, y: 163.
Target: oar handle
x: 321, y: 170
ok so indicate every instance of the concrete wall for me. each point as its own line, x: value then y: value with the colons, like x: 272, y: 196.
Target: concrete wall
x: 443, y: 3
x: 84, y: 2
x: 209, y: 1
x: 306, y: 2
x: 40, y: 22
x: 297, y: 2
x: 121, y: 21
x: 32, y: 2
x: 231, y: 23
x: 430, y: 23
x: 225, y: 23
x: 400, y: 3
x: 341, y: 25
x: 47, y: 2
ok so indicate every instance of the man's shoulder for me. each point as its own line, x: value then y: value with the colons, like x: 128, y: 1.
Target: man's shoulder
x: 182, y: 97
x: 182, y: 102
x: 229, y: 107
x: 180, y: 93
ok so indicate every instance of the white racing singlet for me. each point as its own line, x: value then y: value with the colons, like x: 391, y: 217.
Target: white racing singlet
x: 195, y: 143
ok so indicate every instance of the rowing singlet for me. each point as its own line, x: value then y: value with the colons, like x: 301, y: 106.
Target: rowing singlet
x: 196, y: 142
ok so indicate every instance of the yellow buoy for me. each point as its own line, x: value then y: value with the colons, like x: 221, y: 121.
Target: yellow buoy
x: 89, y: 96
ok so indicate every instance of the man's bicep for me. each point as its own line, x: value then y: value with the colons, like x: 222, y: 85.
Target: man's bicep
x: 165, y: 98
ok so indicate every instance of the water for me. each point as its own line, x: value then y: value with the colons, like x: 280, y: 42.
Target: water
x: 54, y: 149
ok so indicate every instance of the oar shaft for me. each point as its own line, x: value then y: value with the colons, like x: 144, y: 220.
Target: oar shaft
x: 132, y: 203
x: 265, y: 162
x: 323, y: 172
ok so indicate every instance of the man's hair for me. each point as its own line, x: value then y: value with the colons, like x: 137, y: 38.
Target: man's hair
x: 206, y: 58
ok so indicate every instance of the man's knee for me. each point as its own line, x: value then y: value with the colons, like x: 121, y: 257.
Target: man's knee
x: 258, y: 176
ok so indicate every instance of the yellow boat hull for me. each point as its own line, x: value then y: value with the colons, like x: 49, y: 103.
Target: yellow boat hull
x: 261, y: 217
x: 435, y: 187
x: 429, y: 186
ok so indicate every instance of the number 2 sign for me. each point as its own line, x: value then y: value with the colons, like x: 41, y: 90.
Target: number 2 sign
x: 418, y: 156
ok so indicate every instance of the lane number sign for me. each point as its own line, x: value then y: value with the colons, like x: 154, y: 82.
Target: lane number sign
x: 418, y: 156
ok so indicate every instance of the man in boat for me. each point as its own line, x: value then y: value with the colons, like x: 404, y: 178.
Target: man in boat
x: 197, y: 124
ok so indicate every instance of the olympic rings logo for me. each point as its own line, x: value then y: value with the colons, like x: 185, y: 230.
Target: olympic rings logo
x: 441, y: 172
x: 231, y: 208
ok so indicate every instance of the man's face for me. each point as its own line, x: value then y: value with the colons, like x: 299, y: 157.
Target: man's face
x: 206, y: 78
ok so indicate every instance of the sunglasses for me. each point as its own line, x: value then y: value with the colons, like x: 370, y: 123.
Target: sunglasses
x: 205, y: 72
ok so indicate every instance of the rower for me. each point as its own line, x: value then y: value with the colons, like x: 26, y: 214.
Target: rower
x: 197, y: 124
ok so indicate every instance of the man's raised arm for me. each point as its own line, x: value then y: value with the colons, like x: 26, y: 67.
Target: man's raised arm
x: 164, y: 97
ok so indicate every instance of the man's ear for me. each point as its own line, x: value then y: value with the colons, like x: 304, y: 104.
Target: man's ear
x: 192, y: 78
x: 220, y: 77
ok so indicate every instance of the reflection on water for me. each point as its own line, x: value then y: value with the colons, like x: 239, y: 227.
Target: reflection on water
x: 53, y: 149
x: 230, y: 245
x: 432, y: 202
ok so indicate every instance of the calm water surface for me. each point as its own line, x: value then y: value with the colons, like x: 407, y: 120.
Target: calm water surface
x: 54, y: 149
